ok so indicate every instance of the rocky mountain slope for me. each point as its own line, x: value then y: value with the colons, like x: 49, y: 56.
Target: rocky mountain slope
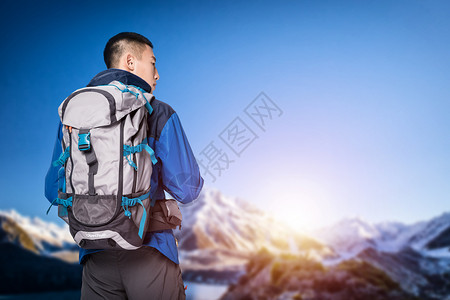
x: 398, y: 261
x: 271, y: 276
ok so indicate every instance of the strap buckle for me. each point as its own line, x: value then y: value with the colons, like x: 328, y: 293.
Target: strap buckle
x: 84, y: 142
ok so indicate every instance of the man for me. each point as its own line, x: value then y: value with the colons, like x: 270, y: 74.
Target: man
x: 152, y: 271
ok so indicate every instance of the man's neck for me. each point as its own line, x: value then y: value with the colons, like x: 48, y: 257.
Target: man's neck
x: 123, y: 76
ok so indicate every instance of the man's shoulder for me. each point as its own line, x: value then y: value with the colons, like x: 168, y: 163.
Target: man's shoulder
x: 159, y: 117
x: 161, y: 109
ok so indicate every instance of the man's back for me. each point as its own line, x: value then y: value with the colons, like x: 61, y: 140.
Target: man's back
x: 176, y: 173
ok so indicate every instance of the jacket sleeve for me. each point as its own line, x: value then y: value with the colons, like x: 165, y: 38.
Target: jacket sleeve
x: 51, y: 179
x: 180, y: 172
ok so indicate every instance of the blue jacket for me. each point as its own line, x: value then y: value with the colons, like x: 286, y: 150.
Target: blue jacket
x: 176, y: 171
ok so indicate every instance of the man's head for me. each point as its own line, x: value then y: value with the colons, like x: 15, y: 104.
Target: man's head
x: 132, y: 52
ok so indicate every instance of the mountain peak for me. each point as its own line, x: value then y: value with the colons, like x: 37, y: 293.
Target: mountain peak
x: 42, y: 233
x: 217, y: 221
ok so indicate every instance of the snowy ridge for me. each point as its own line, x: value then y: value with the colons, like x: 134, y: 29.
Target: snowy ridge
x: 215, y: 221
x: 353, y: 235
x: 230, y: 225
x: 44, y: 234
x: 220, y: 233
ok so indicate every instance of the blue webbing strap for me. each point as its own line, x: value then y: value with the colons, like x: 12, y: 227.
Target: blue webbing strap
x: 148, y: 107
x: 126, y: 89
x: 147, y: 103
x: 151, y: 152
x: 62, y: 180
x: 128, y: 150
x: 62, y: 158
x: 61, y: 188
x: 65, y: 202
x: 131, y: 202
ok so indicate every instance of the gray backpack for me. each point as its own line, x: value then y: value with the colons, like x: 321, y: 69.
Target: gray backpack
x: 106, y: 166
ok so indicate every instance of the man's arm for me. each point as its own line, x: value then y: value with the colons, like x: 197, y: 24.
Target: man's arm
x: 180, y: 172
x: 51, y: 179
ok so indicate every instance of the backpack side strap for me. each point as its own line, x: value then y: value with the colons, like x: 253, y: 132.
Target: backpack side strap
x: 128, y: 150
x: 62, y: 158
x: 126, y: 202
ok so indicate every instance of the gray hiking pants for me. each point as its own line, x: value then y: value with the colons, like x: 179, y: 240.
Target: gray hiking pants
x: 139, y: 274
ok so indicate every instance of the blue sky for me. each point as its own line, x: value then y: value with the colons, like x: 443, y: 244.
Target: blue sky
x: 363, y: 87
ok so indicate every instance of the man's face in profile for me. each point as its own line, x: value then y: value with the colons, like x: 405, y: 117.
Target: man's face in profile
x: 146, y: 69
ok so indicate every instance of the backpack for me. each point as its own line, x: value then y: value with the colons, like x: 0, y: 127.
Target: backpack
x: 105, y: 166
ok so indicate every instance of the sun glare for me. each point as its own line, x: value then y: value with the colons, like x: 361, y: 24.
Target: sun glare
x: 306, y: 208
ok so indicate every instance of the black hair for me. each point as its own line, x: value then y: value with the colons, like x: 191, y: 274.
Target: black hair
x: 117, y: 45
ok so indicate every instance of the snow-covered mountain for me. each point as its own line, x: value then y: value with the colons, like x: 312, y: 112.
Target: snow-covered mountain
x: 215, y: 221
x: 353, y: 235
x: 417, y: 256
x: 218, y: 235
x: 218, y: 223
x: 222, y: 233
x: 36, y: 256
x: 34, y: 234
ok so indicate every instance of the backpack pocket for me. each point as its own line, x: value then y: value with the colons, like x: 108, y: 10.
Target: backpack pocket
x: 94, y: 210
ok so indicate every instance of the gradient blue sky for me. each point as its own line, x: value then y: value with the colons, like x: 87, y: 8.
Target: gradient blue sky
x: 363, y: 85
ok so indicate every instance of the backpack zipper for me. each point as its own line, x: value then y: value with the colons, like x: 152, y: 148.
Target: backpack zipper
x: 134, y: 173
x: 71, y: 160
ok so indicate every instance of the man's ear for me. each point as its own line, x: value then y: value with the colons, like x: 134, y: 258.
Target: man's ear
x: 130, y: 62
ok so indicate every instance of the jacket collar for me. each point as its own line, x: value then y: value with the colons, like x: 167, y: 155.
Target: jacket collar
x: 105, y: 77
